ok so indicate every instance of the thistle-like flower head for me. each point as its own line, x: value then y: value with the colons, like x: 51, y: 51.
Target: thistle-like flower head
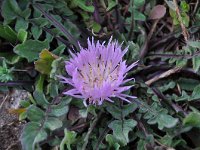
x: 98, y: 73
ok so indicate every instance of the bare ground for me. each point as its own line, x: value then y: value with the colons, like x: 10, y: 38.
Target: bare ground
x: 10, y: 127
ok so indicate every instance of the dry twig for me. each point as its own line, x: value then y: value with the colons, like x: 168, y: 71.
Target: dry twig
x: 163, y: 75
x: 93, y: 124
x: 195, y: 8
x: 184, y: 30
x: 5, y: 98
x: 153, y: 28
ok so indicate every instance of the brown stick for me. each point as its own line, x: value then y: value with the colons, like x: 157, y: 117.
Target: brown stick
x: 163, y: 75
x: 184, y: 30
x: 153, y: 27
x: 195, y: 8
x: 4, y: 99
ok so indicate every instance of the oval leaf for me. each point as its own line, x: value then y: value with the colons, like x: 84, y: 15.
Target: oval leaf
x: 31, y: 135
x: 35, y: 113
x: 43, y: 65
x: 53, y: 123
x: 193, y: 119
x: 121, y: 129
x: 30, y: 49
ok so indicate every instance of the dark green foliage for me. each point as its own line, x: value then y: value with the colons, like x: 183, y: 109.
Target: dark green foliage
x: 31, y: 49
x: 5, y: 73
x: 35, y: 39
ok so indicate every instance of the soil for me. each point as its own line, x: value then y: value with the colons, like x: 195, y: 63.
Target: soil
x: 10, y: 126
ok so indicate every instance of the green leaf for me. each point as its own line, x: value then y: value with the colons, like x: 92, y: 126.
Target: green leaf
x: 121, y: 128
x: 193, y: 119
x: 57, y: 66
x: 39, y: 83
x: 170, y: 141
x: 168, y: 86
x: 30, y: 49
x: 43, y: 65
x: 72, y: 28
x: 139, y: 3
x: 184, y: 96
x: 62, y: 108
x: 52, y: 123
x: 133, y: 52
x: 96, y: 27
x: 63, y: 8
x: 35, y: 114
x: 36, y: 31
x: 53, y: 20
x: 24, y: 103
x: 139, y: 16
x: 82, y: 5
x: 184, y: 6
x: 31, y: 135
x: 195, y: 44
x: 163, y: 120
x: 187, y: 84
x: 26, y: 13
x: 10, y: 57
x: 5, y: 73
x: 38, y: 93
x: 10, y: 10
x: 59, y: 110
x: 8, y: 33
x: 118, y: 112
x: 141, y: 145
x: 111, y: 4
x: 53, y: 89
x: 112, y: 142
x: 166, y: 140
x: 22, y: 35
x: 181, y: 62
x: 22, y: 116
x: 195, y: 93
x: 174, y: 16
x: 156, y: 114
x: 21, y: 24
x: 69, y: 139
x: 39, y: 22
x: 185, y: 19
x: 40, y: 98
x: 59, y: 50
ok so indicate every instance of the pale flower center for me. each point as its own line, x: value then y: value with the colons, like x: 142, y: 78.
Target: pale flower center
x: 96, y: 75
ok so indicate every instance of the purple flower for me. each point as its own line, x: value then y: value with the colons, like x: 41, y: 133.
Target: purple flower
x: 98, y: 73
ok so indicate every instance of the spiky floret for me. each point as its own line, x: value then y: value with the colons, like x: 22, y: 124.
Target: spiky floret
x: 98, y: 73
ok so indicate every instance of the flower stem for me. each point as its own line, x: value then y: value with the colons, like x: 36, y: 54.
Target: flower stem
x: 93, y: 124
